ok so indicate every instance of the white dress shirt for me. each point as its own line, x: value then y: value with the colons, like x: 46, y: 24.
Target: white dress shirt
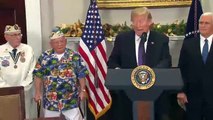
x: 202, y: 42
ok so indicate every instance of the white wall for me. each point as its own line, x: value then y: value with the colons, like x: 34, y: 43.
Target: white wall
x: 207, y: 5
x: 47, y: 17
x: 68, y: 11
x: 42, y: 15
x: 33, y: 22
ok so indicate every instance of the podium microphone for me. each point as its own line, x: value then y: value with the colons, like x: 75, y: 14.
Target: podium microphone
x: 143, y: 37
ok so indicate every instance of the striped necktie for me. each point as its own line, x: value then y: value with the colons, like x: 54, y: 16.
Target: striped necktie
x: 14, y: 52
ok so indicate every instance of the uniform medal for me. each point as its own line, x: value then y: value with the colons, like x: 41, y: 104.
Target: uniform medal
x: 15, y: 58
x: 15, y: 66
x: 22, y: 59
x: 5, y: 63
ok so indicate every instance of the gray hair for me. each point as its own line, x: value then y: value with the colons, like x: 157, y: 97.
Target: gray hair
x: 207, y: 14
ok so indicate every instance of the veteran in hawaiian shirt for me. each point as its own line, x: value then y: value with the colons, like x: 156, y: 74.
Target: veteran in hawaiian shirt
x: 17, y: 62
x: 62, y: 73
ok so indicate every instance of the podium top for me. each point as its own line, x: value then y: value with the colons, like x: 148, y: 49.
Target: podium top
x: 167, y: 79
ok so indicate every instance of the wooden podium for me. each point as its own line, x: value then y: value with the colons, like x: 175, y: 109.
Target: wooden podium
x: 166, y: 79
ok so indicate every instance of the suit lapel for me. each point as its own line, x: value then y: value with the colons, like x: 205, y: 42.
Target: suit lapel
x: 150, y: 44
x: 210, y: 55
x: 131, y: 47
x: 196, y: 50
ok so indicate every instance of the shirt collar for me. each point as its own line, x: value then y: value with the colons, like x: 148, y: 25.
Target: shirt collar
x: 209, y: 38
x: 9, y: 47
x: 138, y: 37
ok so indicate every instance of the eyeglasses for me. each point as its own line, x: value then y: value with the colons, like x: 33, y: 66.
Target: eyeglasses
x: 15, y: 35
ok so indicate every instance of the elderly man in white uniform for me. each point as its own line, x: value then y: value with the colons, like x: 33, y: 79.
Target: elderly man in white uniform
x: 17, y: 62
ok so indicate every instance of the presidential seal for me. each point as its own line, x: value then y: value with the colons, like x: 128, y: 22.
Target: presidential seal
x: 143, y: 77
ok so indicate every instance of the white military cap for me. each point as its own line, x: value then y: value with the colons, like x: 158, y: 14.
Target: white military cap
x: 12, y: 29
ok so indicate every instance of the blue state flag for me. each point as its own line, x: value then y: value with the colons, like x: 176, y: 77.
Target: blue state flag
x: 193, y: 19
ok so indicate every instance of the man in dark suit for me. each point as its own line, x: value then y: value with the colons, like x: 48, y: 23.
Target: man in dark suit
x: 125, y: 55
x: 196, y: 65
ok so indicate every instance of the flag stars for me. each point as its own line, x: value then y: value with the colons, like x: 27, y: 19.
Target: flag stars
x: 93, y: 32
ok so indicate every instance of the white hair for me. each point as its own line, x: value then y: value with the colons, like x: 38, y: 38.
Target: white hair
x: 207, y: 14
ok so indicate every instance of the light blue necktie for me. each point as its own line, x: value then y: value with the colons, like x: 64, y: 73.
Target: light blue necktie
x: 205, y: 51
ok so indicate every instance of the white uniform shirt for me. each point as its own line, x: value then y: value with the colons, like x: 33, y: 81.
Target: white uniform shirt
x: 22, y: 75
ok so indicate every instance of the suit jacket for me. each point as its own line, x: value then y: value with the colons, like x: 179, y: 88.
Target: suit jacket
x: 197, y: 76
x: 124, y: 55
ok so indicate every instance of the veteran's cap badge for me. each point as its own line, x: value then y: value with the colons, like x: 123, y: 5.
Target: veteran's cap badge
x: 143, y: 77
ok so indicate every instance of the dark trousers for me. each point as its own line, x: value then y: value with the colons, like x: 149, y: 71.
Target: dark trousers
x: 167, y: 108
x: 199, y: 109
x: 121, y: 108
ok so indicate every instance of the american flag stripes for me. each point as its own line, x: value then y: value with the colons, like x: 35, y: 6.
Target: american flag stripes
x: 93, y: 50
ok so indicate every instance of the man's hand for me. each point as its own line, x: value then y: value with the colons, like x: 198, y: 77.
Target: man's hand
x: 37, y: 97
x: 82, y: 95
x: 182, y: 98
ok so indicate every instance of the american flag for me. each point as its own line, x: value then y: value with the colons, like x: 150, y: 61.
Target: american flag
x: 192, y: 22
x: 93, y: 50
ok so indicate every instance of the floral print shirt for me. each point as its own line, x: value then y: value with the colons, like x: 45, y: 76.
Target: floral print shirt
x: 60, y: 79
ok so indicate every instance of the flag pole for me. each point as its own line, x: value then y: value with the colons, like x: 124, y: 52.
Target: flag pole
x: 192, y: 24
x: 195, y: 18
